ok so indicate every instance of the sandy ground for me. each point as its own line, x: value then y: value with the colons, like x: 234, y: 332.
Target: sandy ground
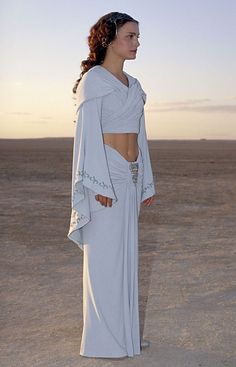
x: 187, y: 258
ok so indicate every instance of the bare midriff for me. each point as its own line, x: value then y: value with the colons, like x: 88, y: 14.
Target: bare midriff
x: 125, y: 143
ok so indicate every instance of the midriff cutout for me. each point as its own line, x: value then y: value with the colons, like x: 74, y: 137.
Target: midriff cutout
x: 125, y: 144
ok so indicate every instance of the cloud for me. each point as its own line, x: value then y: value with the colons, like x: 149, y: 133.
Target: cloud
x: 45, y: 117
x: 42, y: 122
x: 193, y: 105
x: 20, y: 113
x: 38, y: 120
x: 185, y: 103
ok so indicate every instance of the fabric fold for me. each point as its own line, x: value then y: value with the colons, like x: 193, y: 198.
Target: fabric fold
x: 90, y: 175
x: 110, y: 277
x: 90, y: 171
x: 148, y: 187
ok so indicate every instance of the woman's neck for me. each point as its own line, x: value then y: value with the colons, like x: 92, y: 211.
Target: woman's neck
x: 114, y: 66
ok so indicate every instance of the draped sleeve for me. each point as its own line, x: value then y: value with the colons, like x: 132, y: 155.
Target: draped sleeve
x: 90, y: 173
x: 148, y: 186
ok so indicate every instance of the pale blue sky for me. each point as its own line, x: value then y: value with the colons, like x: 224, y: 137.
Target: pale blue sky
x: 186, y: 65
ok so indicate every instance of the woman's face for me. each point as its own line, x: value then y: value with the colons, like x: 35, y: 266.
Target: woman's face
x: 126, y: 43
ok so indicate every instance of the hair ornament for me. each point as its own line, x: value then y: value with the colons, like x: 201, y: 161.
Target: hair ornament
x: 104, y: 43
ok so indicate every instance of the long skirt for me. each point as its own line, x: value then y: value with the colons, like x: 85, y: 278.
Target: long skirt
x: 110, y: 266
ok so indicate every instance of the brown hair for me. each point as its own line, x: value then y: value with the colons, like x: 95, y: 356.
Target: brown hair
x: 101, y: 34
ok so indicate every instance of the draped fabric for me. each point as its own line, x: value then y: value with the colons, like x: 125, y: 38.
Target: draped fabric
x: 90, y: 171
x: 121, y: 109
x: 108, y: 236
x: 110, y: 267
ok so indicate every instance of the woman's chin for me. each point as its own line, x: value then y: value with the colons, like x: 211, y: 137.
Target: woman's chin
x: 132, y: 56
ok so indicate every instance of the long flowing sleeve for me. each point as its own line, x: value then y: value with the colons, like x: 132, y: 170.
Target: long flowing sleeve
x: 90, y: 174
x: 148, y: 187
x: 90, y: 171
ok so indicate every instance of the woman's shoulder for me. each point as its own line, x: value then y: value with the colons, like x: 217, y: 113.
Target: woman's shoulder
x: 91, y: 76
x: 92, y: 86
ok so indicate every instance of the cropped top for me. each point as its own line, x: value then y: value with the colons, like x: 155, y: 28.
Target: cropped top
x: 118, y: 114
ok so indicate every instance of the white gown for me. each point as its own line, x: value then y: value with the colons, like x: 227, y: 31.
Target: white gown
x: 108, y: 236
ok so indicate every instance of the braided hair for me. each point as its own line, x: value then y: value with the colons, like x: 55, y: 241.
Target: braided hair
x: 102, y: 33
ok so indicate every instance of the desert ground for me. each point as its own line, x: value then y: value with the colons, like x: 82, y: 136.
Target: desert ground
x: 187, y: 257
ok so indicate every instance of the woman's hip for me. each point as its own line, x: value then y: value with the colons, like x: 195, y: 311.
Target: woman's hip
x: 121, y: 170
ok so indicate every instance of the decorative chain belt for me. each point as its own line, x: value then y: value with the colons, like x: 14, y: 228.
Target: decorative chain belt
x: 134, y: 171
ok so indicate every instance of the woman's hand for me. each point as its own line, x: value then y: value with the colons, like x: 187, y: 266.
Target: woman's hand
x: 149, y: 201
x: 104, y: 200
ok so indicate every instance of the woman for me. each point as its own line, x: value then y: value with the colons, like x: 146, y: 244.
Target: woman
x: 111, y: 176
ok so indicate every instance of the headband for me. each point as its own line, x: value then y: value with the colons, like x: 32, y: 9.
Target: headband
x: 113, y: 19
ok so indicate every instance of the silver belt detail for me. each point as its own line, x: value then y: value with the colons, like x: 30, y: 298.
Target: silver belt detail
x: 134, y: 171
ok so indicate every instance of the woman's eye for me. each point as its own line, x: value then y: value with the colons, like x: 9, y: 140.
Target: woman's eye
x: 132, y: 35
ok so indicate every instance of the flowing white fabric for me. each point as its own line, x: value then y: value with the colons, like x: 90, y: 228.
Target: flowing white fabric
x: 90, y: 173
x: 110, y: 269
x: 108, y: 236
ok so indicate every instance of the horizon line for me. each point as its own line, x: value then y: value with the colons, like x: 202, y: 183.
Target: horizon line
x: 71, y: 137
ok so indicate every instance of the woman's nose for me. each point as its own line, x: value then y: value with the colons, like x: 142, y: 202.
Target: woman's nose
x: 137, y: 43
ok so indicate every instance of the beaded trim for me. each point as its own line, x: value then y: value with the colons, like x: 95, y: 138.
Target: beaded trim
x: 149, y: 186
x: 93, y: 179
x: 76, y: 218
x: 134, y: 171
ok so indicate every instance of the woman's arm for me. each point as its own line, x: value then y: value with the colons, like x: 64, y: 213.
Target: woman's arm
x: 90, y: 174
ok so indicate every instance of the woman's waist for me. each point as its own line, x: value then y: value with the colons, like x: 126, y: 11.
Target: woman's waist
x: 125, y: 144
x: 120, y: 169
